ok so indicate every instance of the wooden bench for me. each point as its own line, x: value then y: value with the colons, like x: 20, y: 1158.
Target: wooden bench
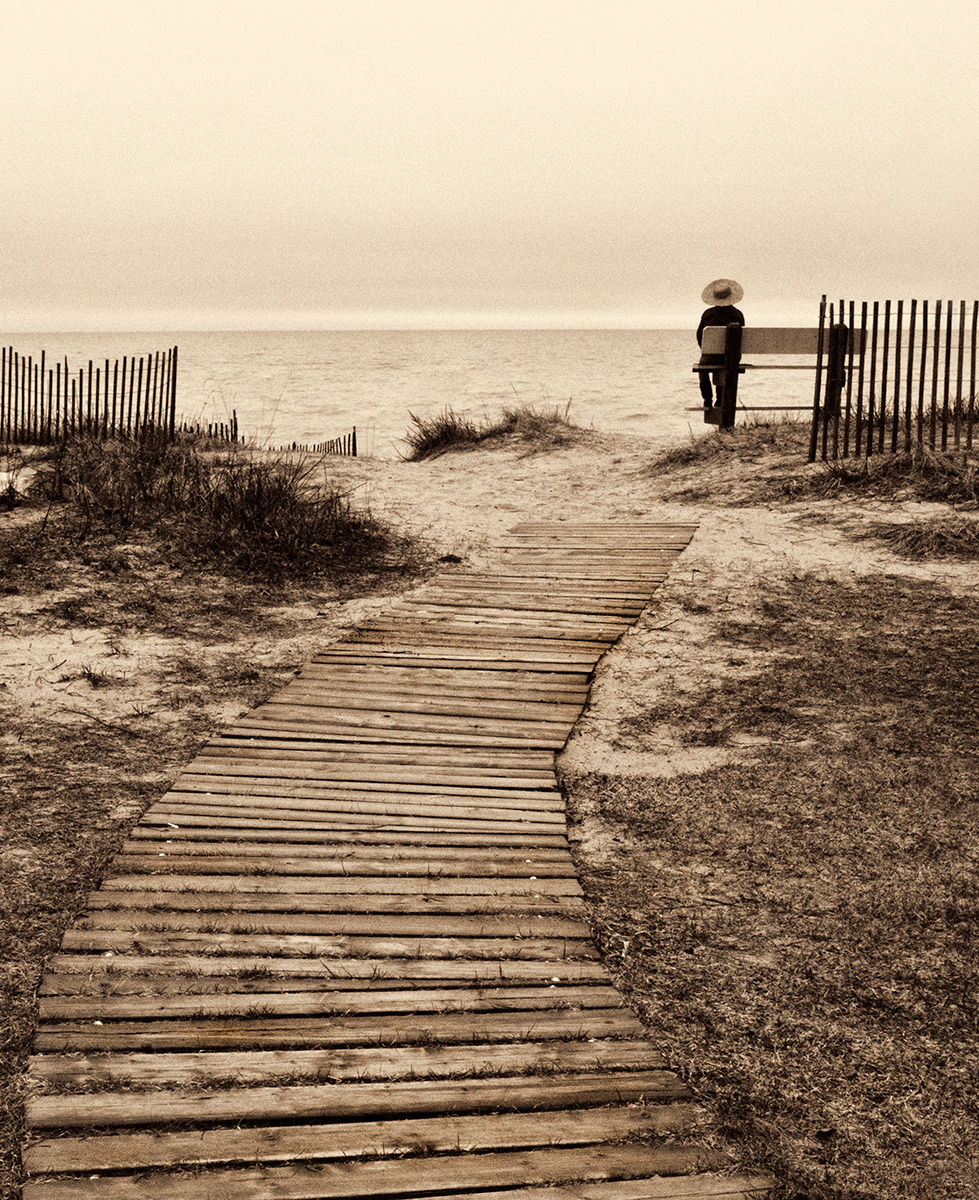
x: 828, y: 348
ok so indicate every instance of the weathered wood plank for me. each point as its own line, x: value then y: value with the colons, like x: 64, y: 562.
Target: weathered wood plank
x: 328, y: 802
x: 234, y: 865
x: 279, y: 900
x: 561, y: 585
x: 260, y: 780
x: 327, y: 838
x: 322, y: 694
x: 486, y: 804
x: 443, y: 658
x: 92, y: 974
x: 499, y: 762
x: 683, y: 1187
x: 524, y: 736
x: 375, y: 684
x: 286, y: 1068
x: 370, y: 719
x: 406, y: 885
x: 175, y: 941
x: 346, y: 925
x: 559, y: 526
x: 530, y: 649
x: 180, y: 817
x: 553, y: 623
x: 507, y: 599
x: 377, y: 1099
x: 355, y: 1139
x: 346, y: 778
x: 557, y: 860
x: 346, y: 1181
x: 380, y: 750
x: 339, y: 812
x: 478, y: 633
x: 406, y: 767
x: 484, y: 676
x: 527, y: 1023
x: 393, y: 1000
x: 617, y: 572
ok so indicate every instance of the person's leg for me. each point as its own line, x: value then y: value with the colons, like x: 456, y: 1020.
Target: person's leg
x: 706, y: 393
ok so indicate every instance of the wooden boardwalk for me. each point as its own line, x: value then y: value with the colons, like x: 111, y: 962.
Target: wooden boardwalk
x: 346, y: 955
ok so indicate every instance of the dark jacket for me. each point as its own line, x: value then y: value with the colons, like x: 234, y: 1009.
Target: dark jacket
x: 721, y: 314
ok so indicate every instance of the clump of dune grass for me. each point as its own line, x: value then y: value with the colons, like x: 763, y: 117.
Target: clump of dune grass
x: 540, y: 429
x: 120, y: 484
x: 429, y: 437
x: 744, y: 442
x: 937, y: 537
x: 918, y: 474
x: 267, y: 517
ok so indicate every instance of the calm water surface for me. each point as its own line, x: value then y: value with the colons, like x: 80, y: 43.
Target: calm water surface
x: 307, y: 387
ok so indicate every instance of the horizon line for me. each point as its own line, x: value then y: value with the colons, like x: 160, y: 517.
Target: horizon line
x: 184, y: 320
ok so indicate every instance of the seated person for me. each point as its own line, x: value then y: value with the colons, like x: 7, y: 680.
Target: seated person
x: 722, y: 295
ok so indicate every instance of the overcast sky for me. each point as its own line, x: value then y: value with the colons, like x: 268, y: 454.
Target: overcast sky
x: 174, y: 164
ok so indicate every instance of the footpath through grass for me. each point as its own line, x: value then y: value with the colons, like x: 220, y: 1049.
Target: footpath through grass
x: 800, y: 927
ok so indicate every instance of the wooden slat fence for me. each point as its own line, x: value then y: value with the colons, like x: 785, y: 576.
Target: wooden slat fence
x: 42, y: 401
x: 906, y: 383
x: 344, y: 446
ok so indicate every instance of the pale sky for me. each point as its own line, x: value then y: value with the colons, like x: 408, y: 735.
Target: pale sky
x: 176, y: 164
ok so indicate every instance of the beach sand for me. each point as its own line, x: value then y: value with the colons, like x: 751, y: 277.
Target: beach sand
x: 461, y: 503
x: 104, y: 698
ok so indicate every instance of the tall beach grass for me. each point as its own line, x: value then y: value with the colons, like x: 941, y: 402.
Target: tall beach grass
x: 541, y: 429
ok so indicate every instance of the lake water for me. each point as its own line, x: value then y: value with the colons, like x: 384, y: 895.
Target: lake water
x: 308, y: 387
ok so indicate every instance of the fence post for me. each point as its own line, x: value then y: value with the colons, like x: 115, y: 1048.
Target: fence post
x: 173, y: 395
x: 836, y: 371
x: 732, y: 361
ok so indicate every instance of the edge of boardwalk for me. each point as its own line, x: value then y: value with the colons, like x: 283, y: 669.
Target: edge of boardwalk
x: 347, y: 953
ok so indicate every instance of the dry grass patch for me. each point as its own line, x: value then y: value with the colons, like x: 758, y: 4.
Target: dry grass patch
x: 799, y: 928
x: 928, y: 539
x: 921, y: 474
x: 535, y: 429
x: 766, y: 463
x: 731, y: 466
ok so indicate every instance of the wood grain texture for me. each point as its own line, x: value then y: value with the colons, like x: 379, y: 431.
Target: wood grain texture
x: 347, y: 953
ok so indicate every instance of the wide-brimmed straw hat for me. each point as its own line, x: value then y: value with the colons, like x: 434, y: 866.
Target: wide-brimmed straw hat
x: 721, y: 292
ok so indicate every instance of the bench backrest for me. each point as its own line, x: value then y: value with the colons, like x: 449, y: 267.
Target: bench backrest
x: 768, y: 341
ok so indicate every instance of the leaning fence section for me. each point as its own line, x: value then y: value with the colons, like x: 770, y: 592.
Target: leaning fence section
x: 43, y: 401
x: 344, y: 446
x: 906, y: 382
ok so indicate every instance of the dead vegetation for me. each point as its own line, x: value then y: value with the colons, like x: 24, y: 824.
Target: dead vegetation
x: 798, y: 925
x: 535, y: 429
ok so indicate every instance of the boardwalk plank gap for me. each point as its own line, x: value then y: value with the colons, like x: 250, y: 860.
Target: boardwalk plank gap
x: 347, y: 955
